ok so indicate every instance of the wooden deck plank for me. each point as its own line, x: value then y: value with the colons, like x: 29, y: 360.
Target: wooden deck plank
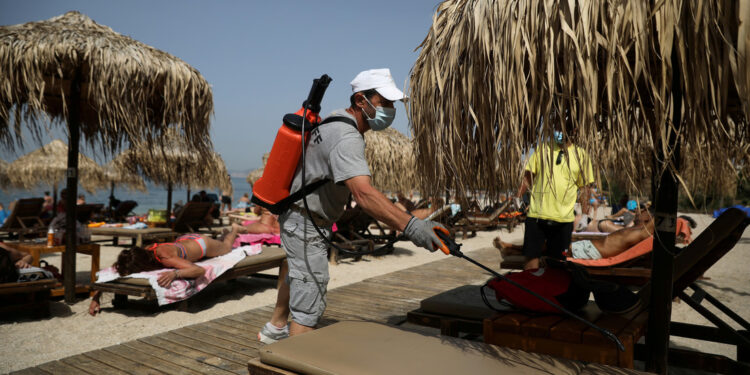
x: 149, y: 360
x: 57, y: 367
x: 201, y: 356
x: 220, y: 335
x: 90, y: 365
x: 243, y: 348
x: 178, y: 359
x: 31, y: 371
x: 207, y: 347
x: 117, y: 361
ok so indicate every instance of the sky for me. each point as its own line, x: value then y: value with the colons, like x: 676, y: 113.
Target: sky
x: 260, y: 57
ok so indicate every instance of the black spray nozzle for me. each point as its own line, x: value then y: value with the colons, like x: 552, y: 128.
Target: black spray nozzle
x: 318, y: 89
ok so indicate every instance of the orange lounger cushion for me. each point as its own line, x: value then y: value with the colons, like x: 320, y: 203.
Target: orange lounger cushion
x: 641, y: 248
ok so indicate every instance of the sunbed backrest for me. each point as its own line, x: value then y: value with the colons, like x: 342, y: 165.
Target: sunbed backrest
x: 191, y: 216
x: 709, y: 247
x: 25, y: 211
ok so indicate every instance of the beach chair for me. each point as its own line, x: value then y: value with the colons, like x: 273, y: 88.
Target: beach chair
x: 30, y: 298
x: 25, y: 218
x: 123, y: 210
x: 359, y: 232
x: 85, y: 212
x: 192, y: 217
x: 568, y: 338
x: 271, y: 257
x: 372, y: 348
x: 632, y: 266
x: 472, y: 221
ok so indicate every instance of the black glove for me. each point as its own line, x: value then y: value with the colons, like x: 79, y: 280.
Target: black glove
x: 422, y: 234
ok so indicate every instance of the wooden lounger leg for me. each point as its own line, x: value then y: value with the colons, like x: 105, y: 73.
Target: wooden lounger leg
x: 120, y: 300
x: 448, y: 327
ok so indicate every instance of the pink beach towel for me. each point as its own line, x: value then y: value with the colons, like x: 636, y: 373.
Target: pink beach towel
x: 184, y: 288
x: 252, y: 239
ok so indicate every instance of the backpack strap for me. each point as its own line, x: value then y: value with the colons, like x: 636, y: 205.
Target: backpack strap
x: 339, y: 119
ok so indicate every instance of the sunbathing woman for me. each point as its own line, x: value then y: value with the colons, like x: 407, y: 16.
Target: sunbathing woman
x: 179, y: 255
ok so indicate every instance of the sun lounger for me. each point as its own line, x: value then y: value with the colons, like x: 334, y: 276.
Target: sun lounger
x: 271, y: 257
x: 632, y: 266
x: 31, y: 297
x: 138, y: 236
x: 359, y: 232
x: 193, y: 217
x: 562, y: 336
x: 361, y: 348
x: 84, y: 212
x: 25, y: 218
x: 123, y: 210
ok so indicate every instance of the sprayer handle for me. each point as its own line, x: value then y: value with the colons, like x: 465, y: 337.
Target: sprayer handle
x: 446, y: 242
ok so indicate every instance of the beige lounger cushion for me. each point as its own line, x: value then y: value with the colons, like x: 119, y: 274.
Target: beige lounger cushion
x: 371, y: 348
x: 268, y: 254
x: 464, y: 302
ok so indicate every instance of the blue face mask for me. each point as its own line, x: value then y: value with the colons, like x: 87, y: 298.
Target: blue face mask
x: 383, y: 117
x: 558, y: 136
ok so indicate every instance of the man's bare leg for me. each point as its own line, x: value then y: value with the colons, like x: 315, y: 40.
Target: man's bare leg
x: 623, y: 239
x: 531, y: 263
x: 281, y: 310
x: 506, y: 248
x: 298, y: 329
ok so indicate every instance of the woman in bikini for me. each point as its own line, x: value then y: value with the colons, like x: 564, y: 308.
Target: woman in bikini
x: 180, y: 255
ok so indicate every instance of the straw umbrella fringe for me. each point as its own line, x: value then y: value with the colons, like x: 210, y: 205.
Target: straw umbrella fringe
x: 39, y: 59
x: 4, y: 181
x: 390, y: 157
x: 489, y: 71
x: 48, y: 165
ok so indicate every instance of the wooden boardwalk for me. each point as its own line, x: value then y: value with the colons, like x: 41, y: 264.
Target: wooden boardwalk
x: 225, y: 345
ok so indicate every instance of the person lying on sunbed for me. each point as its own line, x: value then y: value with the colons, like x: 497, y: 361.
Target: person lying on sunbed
x: 180, y: 255
x: 422, y: 213
x: 624, y: 218
x: 20, y: 259
x: 605, y: 247
x: 268, y: 223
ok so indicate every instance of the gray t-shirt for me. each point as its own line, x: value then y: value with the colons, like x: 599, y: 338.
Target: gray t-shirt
x: 336, y: 151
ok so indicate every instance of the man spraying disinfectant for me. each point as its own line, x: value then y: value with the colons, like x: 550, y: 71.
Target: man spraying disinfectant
x: 334, y: 166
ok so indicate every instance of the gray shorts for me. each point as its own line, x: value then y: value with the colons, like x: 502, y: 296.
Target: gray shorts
x: 298, y: 237
x: 584, y: 250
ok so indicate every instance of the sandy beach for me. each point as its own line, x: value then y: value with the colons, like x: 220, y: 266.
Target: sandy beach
x: 70, y: 330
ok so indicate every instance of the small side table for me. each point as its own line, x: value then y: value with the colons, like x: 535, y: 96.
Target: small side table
x: 36, y: 250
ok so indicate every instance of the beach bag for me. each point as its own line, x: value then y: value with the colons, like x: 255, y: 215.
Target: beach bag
x: 554, y: 284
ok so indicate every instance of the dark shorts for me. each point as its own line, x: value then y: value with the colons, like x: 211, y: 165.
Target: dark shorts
x: 226, y: 199
x: 539, y: 231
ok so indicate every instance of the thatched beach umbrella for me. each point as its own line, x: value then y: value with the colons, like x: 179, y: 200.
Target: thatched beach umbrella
x: 172, y: 163
x: 102, y: 85
x: 48, y: 165
x: 390, y: 157
x: 662, y: 82
x: 255, y: 174
x: 4, y: 181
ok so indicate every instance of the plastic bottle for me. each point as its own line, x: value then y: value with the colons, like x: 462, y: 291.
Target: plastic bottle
x: 50, y: 237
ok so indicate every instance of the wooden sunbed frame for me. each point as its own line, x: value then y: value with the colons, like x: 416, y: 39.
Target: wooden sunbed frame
x: 25, y: 218
x: 123, y: 290
x: 561, y: 336
x: 37, y: 295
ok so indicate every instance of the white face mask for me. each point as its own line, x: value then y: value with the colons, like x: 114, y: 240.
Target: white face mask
x: 383, y: 116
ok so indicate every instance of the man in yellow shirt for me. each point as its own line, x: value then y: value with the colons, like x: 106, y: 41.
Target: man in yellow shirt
x: 554, y: 173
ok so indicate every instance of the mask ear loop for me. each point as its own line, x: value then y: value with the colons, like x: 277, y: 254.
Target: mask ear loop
x: 373, y: 107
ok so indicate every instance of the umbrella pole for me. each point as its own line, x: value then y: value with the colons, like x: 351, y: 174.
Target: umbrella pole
x: 169, y: 201
x: 665, y: 223
x: 69, y: 256
x: 188, y: 194
x: 54, y: 199
x: 111, y: 196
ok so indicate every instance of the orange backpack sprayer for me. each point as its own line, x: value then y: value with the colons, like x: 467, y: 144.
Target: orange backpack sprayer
x: 272, y: 189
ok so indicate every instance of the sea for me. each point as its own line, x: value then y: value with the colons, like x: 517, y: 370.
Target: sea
x: 154, y: 198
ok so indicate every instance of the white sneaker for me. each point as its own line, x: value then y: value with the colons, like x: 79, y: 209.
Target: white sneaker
x: 269, y: 334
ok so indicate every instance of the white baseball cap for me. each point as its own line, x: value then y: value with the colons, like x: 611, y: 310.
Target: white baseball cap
x: 380, y: 80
